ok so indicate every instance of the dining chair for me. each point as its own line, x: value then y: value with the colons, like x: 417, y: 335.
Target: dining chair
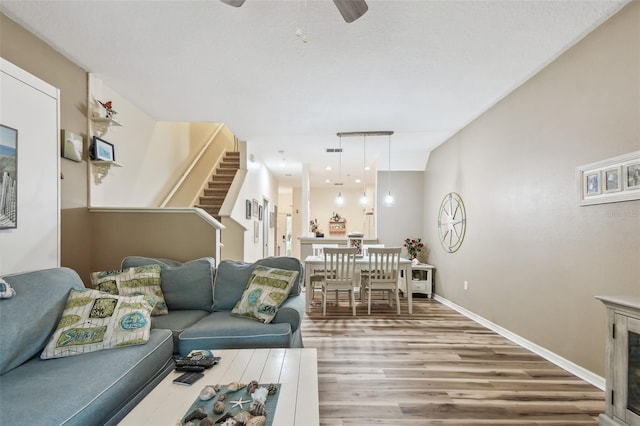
x: 339, y: 267
x: 366, y: 247
x: 317, y: 275
x: 382, y: 275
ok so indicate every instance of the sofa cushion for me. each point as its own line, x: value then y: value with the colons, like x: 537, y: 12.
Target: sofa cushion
x: 84, y: 390
x: 232, y: 277
x: 94, y: 320
x: 186, y: 285
x: 221, y: 330
x: 177, y: 321
x: 133, y: 281
x: 266, y: 289
x: 28, y: 319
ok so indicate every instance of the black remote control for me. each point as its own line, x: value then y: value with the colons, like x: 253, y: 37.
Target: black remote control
x: 188, y: 378
x: 196, y: 368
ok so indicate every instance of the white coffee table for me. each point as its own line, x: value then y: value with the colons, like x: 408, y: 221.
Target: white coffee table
x: 295, y: 369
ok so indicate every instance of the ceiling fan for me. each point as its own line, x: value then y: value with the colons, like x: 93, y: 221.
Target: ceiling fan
x: 349, y: 9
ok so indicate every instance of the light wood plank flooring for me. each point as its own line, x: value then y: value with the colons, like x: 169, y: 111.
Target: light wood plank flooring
x: 436, y: 367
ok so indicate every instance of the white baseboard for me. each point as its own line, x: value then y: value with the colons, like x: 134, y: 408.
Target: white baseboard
x: 556, y: 359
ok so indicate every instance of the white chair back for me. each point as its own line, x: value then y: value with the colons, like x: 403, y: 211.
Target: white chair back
x: 366, y: 247
x: 318, y: 249
x: 384, y: 264
x: 339, y: 265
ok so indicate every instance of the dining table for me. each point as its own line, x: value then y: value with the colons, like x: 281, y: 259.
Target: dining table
x: 312, y: 263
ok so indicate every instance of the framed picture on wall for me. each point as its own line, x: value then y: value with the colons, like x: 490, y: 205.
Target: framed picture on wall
x: 102, y: 150
x: 632, y: 176
x: 247, y: 208
x: 592, y: 183
x: 609, y: 181
x: 8, y: 177
x: 259, y: 212
x: 255, y: 208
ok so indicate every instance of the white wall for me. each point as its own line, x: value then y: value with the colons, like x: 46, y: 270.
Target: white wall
x: 403, y: 219
x: 154, y: 154
x: 323, y: 207
x: 31, y: 106
x: 533, y: 258
x: 259, y: 184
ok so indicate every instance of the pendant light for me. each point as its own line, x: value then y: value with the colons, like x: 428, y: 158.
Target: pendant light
x: 340, y: 198
x: 388, y: 199
x: 363, y: 200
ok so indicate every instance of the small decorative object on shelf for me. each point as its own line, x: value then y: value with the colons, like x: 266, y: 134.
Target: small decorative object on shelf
x: 108, y: 108
x: 414, y: 246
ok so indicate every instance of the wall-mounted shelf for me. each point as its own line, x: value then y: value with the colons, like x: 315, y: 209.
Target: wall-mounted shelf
x: 103, y: 123
x: 101, y: 169
x: 339, y: 227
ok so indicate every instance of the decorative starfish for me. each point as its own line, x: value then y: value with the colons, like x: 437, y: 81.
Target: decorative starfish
x: 239, y: 403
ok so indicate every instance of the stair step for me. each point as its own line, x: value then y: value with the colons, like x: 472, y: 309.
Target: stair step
x: 225, y: 172
x: 225, y: 165
x: 232, y: 154
x: 209, y: 200
x: 212, y: 210
x: 213, y: 192
x: 222, y: 179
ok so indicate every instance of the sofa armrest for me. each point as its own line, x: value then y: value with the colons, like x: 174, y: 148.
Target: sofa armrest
x: 291, y: 311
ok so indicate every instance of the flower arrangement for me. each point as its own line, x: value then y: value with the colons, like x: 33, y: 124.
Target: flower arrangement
x: 414, y: 246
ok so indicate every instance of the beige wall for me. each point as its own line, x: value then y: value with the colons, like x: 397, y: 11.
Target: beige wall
x: 22, y: 48
x: 322, y: 206
x: 534, y: 260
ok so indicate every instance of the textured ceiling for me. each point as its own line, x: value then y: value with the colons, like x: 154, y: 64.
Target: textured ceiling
x: 423, y: 69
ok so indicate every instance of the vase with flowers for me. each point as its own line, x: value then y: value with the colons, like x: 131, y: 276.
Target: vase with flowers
x: 414, y: 246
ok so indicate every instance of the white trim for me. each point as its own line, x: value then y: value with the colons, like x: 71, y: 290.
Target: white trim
x: 556, y: 359
x: 183, y: 210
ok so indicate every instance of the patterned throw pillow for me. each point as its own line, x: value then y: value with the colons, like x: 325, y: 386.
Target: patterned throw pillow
x: 266, y: 289
x: 93, y: 320
x: 134, y: 281
x: 6, y: 291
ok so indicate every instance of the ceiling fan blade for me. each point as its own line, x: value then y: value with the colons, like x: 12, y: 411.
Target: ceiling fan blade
x: 234, y: 3
x: 350, y: 9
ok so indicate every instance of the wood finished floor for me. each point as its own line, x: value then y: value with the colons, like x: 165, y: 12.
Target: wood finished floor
x: 436, y: 367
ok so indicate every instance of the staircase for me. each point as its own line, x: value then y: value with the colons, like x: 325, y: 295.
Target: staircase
x: 216, y: 191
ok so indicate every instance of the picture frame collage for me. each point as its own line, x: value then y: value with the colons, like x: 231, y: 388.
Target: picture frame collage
x: 608, y: 181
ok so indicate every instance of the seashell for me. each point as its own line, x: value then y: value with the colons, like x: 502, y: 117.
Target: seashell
x: 207, y: 393
x: 207, y: 421
x: 257, y: 421
x: 260, y: 395
x: 222, y: 397
x: 234, y: 386
x: 198, y: 413
x: 272, y: 389
x: 229, y: 422
x: 243, y: 417
x: 216, y: 388
x: 252, y: 386
x: 218, y: 407
x: 258, y: 409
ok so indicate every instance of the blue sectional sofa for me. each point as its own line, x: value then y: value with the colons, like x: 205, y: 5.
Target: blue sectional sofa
x: 200, y: 299
x: 99, y: 388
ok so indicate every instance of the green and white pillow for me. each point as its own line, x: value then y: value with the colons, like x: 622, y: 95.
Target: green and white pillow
x: 266, y: 289
x: 134, y: 281
x: 93, y: 320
